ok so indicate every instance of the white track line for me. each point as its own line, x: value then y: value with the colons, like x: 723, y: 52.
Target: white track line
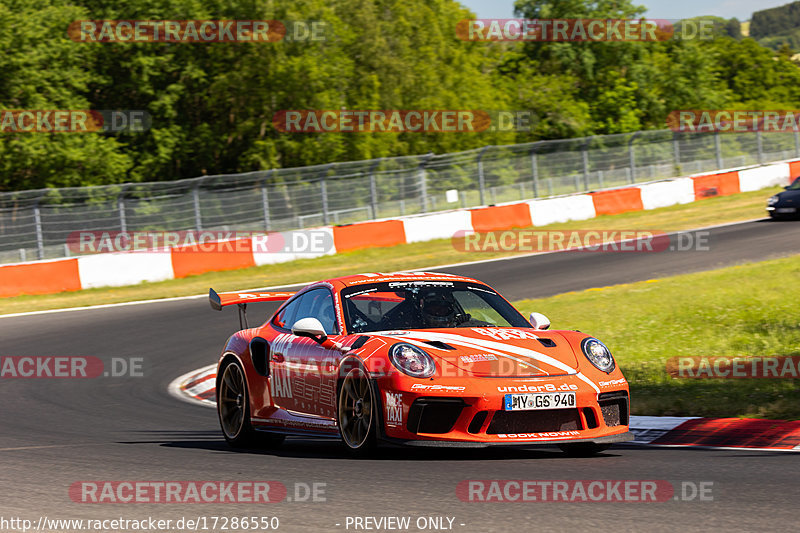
x: 303, y: 284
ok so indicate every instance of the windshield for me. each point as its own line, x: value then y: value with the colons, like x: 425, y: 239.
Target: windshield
x: 400, y: 305
x: 794, y: 186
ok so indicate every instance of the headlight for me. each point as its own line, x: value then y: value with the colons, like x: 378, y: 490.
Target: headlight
x: 772, y: 200
x: 598, y: 354
x: 412, y: 360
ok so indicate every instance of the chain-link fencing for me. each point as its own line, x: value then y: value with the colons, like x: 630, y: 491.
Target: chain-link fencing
x: 37, y: 224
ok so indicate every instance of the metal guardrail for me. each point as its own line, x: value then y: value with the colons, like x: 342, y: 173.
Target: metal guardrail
x: 36, y: 224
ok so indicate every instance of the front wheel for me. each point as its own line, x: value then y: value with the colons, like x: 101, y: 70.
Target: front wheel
x: 356, y: 413
x: 583, y: 449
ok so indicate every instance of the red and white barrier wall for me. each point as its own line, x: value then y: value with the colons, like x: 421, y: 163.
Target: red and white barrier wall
x: 117, y: 269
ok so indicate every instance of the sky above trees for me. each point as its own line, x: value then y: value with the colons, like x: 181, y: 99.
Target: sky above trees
x: 668, y: 9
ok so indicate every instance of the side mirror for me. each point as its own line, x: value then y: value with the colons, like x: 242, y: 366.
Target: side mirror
x: 539, y: 321
x: 310, y: 327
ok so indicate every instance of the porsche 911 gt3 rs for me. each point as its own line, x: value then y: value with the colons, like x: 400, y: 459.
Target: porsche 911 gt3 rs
x: 415, y: 358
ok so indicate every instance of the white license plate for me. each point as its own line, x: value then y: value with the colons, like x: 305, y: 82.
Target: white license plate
x: 544, y: 400
x: 786, y: 210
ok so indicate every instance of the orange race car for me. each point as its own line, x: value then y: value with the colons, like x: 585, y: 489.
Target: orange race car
x: 415, y: 358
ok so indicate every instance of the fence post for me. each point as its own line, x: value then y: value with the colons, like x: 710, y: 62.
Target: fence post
x: 123, y: 223
x: 37, y: 220
x: 632, y: 158
x: 535, y: 172
x: 481, y: 177
x: 676, y: 152
x: 585, y: 153
x: 265, y: 199
x: 796, y: 143
x: 760, y: 146
x: 198, y: 220
x: 718, y: 149
x: 323, y: 190
x: 373, y: 188
x: 423, y: 182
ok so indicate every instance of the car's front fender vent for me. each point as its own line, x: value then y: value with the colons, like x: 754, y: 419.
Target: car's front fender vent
x: 360, y: 341
x: 547, y: 343
x: 439, y: 344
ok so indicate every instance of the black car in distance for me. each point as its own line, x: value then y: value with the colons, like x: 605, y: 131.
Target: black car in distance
x: 787, y: 203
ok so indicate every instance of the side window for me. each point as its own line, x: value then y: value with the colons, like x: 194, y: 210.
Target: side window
x: 324, y: 311
x: 317, y: 303
x: 285, y: 318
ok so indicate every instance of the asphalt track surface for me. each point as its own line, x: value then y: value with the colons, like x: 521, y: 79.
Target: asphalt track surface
x: 54, y: 432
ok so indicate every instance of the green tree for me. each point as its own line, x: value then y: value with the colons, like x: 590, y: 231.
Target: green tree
x: 43, y: 70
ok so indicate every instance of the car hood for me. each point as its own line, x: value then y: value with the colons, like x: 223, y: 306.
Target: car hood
x: 792, y: 197
x: 493, y: 352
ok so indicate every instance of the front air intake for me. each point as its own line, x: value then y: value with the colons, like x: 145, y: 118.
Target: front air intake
x: 434, y: 415
x: 615, y: 408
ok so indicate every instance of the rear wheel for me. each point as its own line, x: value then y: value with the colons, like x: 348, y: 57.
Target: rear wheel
x: 233, y: 408
x: 583, y: 449
x: 356, y: 413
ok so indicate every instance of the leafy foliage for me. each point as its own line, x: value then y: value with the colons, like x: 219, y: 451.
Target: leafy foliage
x: 212, y: 104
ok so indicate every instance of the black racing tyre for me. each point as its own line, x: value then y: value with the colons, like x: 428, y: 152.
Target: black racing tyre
x: 233, y: 409
x: 356, y: 413
x: 583, y: 449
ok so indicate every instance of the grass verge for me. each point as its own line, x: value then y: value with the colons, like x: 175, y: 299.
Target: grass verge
x: 745, y: 310
x: 707, y: 212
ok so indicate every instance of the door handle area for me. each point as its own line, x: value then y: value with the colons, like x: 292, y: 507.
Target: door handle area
x: 277, y: 357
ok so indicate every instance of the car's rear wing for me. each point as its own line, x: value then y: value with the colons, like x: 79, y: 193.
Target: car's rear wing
x: 241, y: 299
x: 220, y: 300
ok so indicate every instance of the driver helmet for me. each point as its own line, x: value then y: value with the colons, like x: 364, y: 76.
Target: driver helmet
x: 438, y: 311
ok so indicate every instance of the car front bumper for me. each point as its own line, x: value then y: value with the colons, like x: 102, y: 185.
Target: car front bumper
x: 439, y: 414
